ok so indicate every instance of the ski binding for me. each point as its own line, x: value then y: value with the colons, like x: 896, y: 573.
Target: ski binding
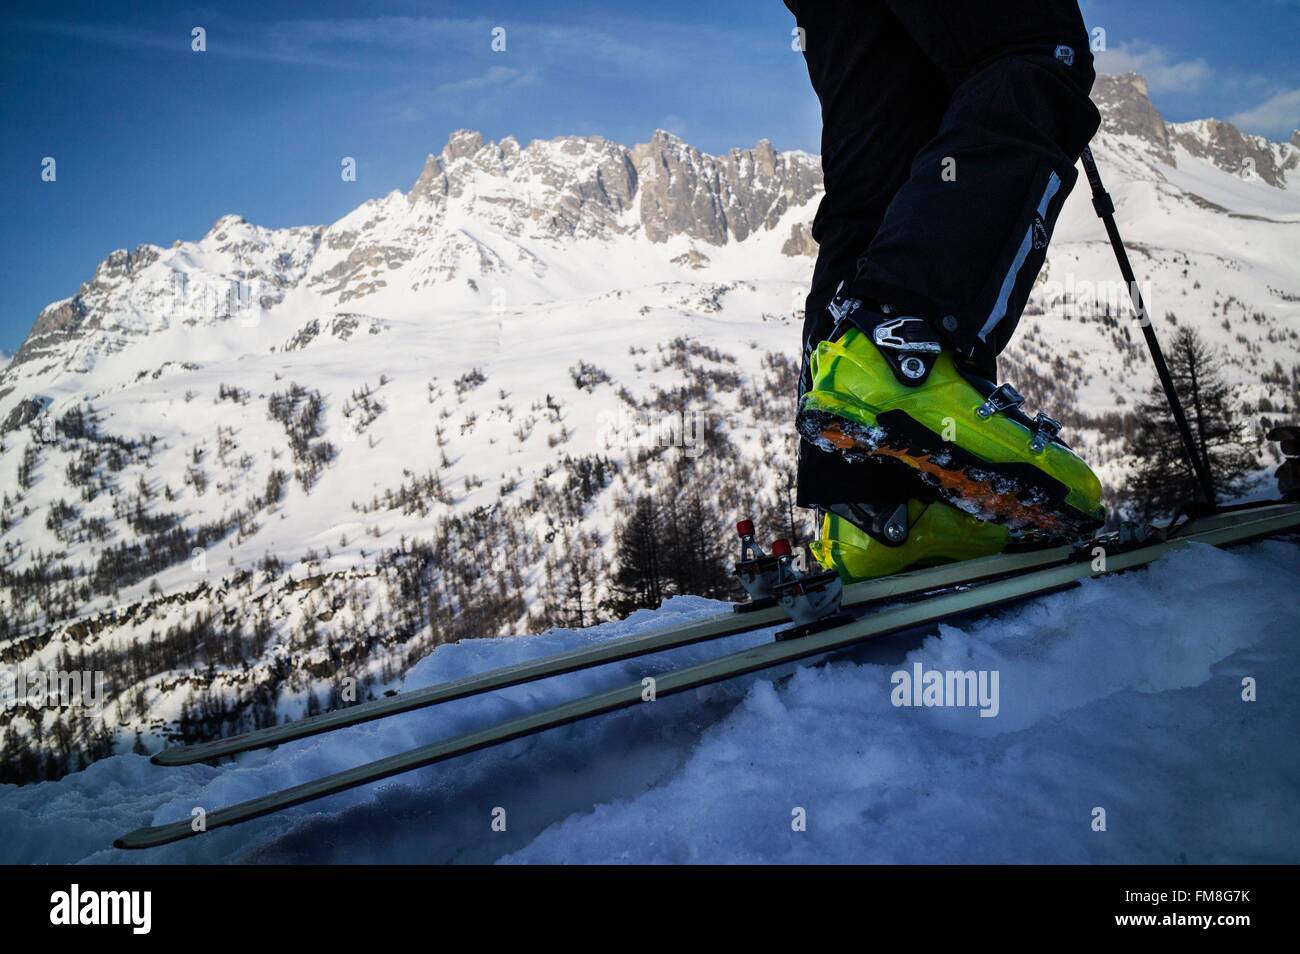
x: 757, y: 571
x: 813, y: 600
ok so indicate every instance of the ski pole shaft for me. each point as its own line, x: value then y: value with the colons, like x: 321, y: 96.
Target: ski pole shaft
x: 1105, y: 206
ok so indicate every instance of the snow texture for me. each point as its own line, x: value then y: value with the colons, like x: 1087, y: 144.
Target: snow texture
x: 1124, y: 694
x: 515, y: 263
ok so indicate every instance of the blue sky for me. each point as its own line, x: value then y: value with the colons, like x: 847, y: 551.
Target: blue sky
x: 154, y: 142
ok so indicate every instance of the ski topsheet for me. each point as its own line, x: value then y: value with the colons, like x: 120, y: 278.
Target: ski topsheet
x: 1222, y: 529
x: 614, y: 650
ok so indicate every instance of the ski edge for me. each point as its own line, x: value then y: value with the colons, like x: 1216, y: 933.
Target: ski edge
x: 721, y: 626
x: 899, y: 586
x: 983, y: 598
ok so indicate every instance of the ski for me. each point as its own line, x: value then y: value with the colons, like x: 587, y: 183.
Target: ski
x: 1223, y: 529
x: 751, y: 617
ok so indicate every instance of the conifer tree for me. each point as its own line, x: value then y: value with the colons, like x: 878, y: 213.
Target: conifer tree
x: 637, y: 580
x: 1163, y: 477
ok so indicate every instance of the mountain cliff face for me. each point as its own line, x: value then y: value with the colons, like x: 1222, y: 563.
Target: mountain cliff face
x: 149, y: 289
x: 1127, y: 111
x: 584, y: 187
x: 241, y: 467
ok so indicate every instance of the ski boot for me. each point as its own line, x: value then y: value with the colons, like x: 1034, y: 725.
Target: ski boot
x: 885, y: 387
x: 863, y: 542
x: 1288, y: 475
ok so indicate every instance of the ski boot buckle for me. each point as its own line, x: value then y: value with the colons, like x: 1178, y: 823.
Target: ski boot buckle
x: 1045, y: 431
x: 1003, y: 398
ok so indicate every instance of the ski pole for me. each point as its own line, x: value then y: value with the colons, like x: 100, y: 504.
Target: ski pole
x: 1105, y: 206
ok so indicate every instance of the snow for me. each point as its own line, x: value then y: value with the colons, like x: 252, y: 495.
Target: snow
x: 1124, y: 694
x: 475, y: 278
x: 540, y: 303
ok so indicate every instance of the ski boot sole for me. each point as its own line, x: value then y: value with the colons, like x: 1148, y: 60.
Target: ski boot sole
x: 938, y: 533
x: 1016, y: 494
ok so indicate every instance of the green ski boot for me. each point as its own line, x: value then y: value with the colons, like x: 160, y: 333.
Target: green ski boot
x: 884, y: 387
x: 862, y: 544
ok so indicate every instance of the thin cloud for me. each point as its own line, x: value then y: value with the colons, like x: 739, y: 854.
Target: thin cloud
x: 1163, y: 73
x: 244, y: 43
x: 371, y: 37
x: 1279, y: 114
x: 496, y: 76
x: 373, y: 41
x: 355, y: 42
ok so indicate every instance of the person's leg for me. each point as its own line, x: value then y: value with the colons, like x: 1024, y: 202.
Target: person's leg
x: 965, y: 236
x: 903, y: 375
x: 882, y: 100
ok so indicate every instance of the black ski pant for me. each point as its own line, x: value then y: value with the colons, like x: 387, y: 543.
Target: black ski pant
x: 950, y: 131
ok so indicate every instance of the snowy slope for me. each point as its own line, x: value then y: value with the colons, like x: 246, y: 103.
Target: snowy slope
x: 478, y: 346
x: 1124, y: 694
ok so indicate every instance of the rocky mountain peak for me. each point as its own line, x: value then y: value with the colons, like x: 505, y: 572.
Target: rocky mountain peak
x: 431, y: 184
x: 588, y: 182
x: 481, y: 207
x: 462, y: 144
x: 1230, y: 149
x: 226, y: 222
x: 1126, y: 110
x: 716, y: 199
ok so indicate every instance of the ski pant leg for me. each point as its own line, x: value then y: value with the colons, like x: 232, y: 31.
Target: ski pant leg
x: 882, y: 100
x: 950, y: 133
x: 965, y: 236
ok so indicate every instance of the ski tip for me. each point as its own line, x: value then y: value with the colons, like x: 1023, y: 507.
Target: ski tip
x: 175, y: 756
x: 131, y: 841
x: 153, y: 837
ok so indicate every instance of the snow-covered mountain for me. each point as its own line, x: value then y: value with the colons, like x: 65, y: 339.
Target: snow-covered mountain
x: 241, y: 468
x: 486, y: 224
